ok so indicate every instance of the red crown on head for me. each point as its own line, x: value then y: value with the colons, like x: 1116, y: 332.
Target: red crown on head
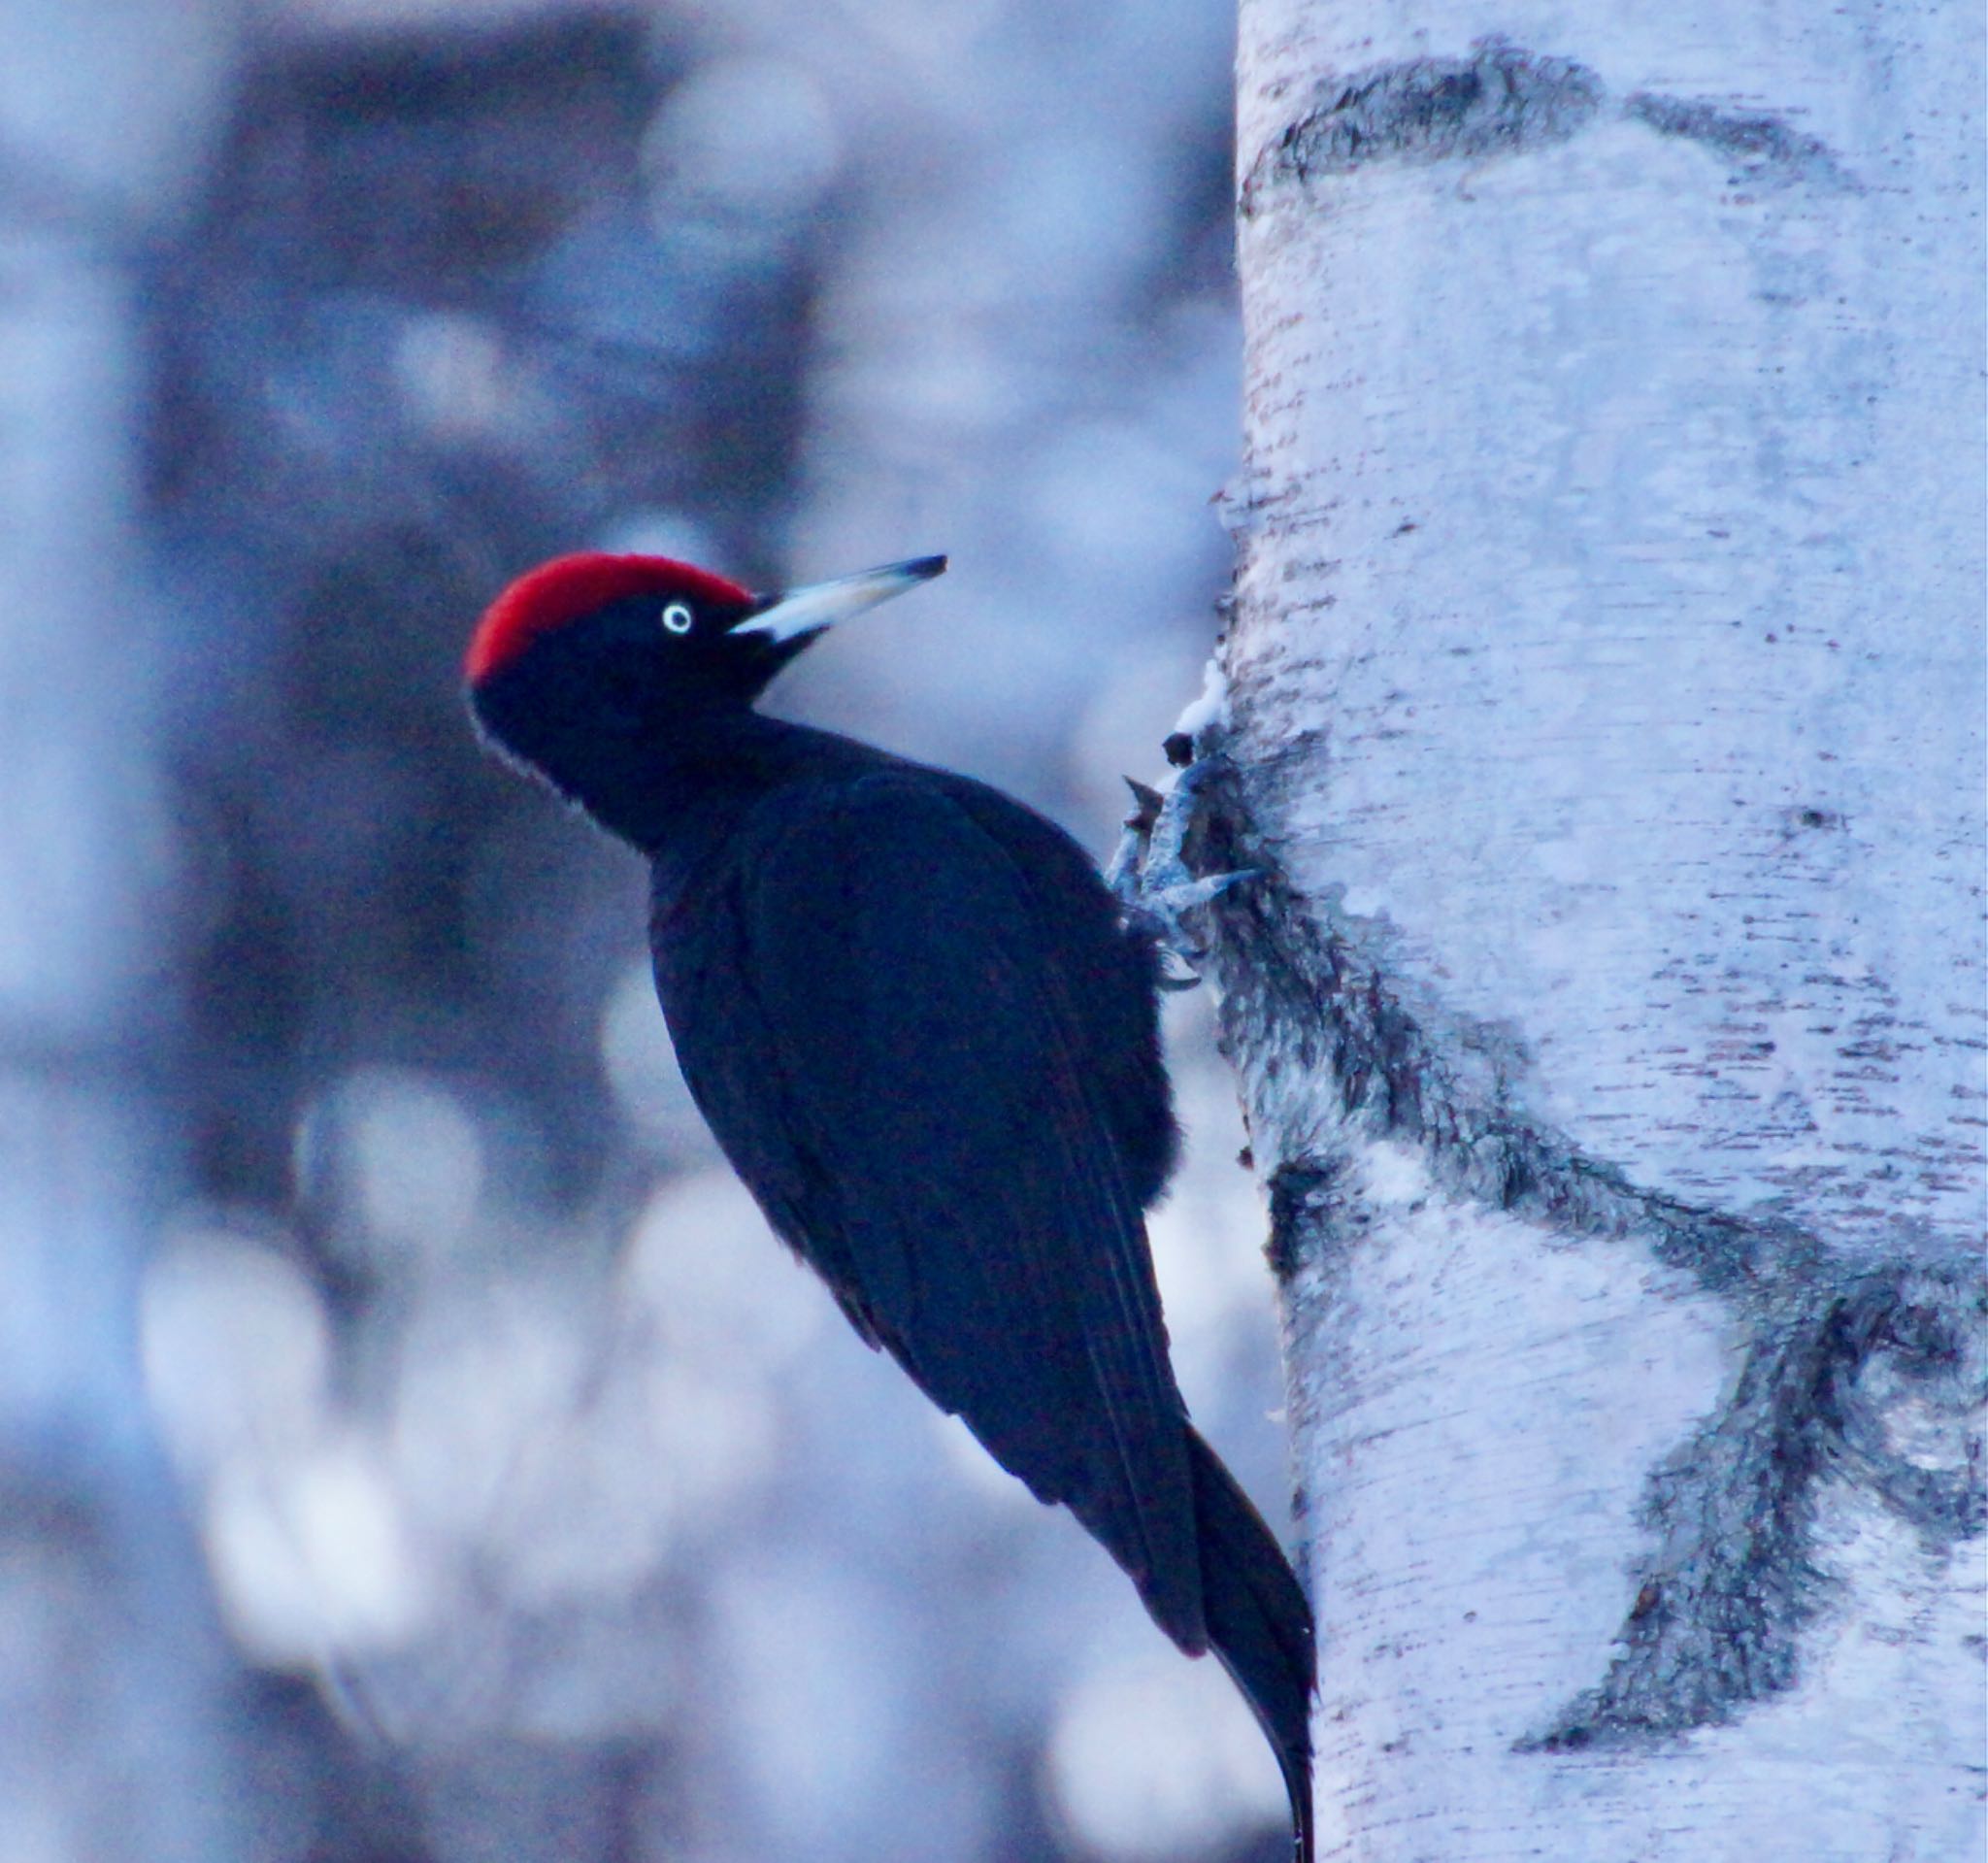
x: 546, y: 599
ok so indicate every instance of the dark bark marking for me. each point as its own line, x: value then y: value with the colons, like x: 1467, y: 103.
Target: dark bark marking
x: 1304, y: 1201
x: 1716, y: 1622
x: 1503, y: 101
x: 1761, y: 143
x: 1838, y: 1356
x: 1430, y: 110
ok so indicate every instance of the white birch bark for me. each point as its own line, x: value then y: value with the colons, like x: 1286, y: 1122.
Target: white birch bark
x: 1604, y: 720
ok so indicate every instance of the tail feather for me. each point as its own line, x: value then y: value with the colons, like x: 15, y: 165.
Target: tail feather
x: 1259, y: 1624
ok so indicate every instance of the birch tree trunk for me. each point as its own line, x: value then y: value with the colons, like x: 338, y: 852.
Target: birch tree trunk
x: 1604, y: 721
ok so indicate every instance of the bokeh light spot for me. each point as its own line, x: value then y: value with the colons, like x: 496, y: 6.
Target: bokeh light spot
x: 395, y: 1158
x: 749, y: 135
x: 1158, y: 1760
x: 705, y: 1270
x: 642, y: 1067
x: 312, y: 1558
x: 235, y: 1347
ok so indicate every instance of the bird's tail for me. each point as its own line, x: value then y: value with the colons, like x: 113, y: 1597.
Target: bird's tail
x: 1259, y: 1624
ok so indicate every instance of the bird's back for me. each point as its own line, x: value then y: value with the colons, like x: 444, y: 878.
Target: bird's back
x: 893, y: 994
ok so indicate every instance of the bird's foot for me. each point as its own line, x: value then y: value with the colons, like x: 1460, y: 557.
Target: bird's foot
x: 1150, y: 875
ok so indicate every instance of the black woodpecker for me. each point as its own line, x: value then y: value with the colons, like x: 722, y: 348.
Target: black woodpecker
x: 927, y: 1039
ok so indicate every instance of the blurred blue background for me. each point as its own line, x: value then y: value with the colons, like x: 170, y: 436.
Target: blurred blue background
x: 412, y: 1446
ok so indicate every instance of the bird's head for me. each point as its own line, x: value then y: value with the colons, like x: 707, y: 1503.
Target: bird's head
x: 587, y: 659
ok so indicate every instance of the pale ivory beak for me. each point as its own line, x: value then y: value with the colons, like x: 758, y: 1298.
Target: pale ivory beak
x: 807, y: 611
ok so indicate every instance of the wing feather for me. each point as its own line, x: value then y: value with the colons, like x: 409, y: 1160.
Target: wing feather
x: 872, y: 1007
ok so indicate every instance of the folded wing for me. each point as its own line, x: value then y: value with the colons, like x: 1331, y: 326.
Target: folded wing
x: 873, y: 1005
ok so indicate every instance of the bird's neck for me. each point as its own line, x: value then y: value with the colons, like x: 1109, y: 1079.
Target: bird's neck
x: 677, y: 793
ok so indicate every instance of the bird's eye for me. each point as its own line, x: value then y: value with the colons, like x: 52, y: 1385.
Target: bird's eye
x: 677, y: 619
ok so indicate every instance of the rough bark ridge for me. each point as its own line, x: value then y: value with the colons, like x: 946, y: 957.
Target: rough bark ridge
x: 1603, y: 723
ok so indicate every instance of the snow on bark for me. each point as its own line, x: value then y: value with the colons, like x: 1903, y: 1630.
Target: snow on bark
x: 1604, y: 725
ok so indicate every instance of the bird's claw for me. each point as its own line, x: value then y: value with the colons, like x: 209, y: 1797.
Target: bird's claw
x: 1149, y: 873
x: 1123, y: 870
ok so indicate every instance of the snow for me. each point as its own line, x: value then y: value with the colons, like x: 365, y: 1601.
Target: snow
x: 1212, y: 709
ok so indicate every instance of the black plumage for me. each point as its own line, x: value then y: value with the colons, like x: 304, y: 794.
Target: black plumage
x: 922, y: 1031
